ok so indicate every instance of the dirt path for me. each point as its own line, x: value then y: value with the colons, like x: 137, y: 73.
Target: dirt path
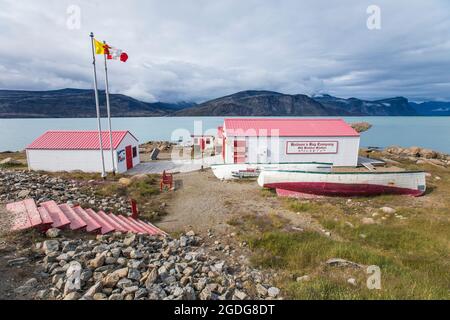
x: 203, y: 202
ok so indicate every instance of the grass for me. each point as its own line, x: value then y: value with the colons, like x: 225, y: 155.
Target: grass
x: 411, y: 246
x: 143, y: 189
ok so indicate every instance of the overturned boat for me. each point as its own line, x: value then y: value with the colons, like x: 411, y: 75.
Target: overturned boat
x: 252, y: 170
x: 299, y: 183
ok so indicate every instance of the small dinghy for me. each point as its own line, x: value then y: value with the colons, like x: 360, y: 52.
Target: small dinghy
x: 252, y: 170
x: 346, y: 184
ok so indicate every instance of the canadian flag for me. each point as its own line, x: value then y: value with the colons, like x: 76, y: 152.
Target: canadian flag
x: 113, y: 53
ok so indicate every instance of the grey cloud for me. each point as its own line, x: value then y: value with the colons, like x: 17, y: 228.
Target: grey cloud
x: 197, y: 50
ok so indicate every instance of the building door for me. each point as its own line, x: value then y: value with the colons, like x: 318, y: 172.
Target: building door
x: 129, y: 156
x: 239, y: 151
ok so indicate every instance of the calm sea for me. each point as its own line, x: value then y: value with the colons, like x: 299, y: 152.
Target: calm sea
x: 429, y: 132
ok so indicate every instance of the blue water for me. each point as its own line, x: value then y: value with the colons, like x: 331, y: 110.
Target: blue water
x: 429, y: 132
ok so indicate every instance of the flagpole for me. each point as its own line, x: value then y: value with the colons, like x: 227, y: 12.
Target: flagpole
x: 97, y: 106
x: 109, y: 115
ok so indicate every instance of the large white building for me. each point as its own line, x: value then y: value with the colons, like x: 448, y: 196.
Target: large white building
x: 80, y: 150
x: 280, y: 140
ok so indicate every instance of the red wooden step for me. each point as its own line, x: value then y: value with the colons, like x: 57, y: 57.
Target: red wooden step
x: 91, y: 224
x: 156, y: 229
x: 106, y: 226
x: 146, y: 227
x: 76, y: 222
x: 126, y: 226
x: 33, y: 213
x: 132, y: 221
x: 18, y: 218
x: 45, y: 216
x: 132, y: 226
x: 112, y: 222
x: 59, y: 218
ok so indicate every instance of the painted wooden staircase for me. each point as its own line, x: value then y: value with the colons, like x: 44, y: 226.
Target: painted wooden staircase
x: 26, y: 214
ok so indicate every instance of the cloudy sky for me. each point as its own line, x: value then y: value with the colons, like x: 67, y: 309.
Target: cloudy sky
x: 194, y: 50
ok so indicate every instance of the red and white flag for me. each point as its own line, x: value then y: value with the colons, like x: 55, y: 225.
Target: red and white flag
x: 113, y: 53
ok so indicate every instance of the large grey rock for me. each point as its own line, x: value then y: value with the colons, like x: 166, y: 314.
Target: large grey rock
x: 50, y: 246
x: 73, y: 274
x: 273, y: 292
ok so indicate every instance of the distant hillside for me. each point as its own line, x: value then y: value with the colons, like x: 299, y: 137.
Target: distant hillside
x: 76, y: 103
x: 268, y: 103
x: 79, y: 103
x: 432, y: 108
x: 258, y: 103
x: 398, y: 106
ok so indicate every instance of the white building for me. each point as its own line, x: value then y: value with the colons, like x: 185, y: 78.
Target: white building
x: 279, y: 140
x: 79, y: 150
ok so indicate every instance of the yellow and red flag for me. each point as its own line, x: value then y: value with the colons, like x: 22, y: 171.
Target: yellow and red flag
x: 112, y: 53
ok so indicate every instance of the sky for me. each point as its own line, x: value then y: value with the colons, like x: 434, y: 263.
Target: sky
x: 195, y: 50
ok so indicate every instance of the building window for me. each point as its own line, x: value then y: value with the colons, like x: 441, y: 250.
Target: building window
x: 208, y: 141
x: 134, y: 152
x: 195, y: 141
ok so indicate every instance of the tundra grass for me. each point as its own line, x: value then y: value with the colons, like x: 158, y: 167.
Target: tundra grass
x: 411, y: 246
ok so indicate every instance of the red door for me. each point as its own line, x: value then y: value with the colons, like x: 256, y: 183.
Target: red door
x: 129, y: 156
x: 239, y: 151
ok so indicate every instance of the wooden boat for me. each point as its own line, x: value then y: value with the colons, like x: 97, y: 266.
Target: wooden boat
x: 233, y: 170
x: 297, y: 183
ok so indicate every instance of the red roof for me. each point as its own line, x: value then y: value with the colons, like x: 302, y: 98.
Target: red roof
x: 288, y: 127
x: 76, y: 140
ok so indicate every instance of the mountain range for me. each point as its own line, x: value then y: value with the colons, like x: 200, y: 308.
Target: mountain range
x: 80, y: 103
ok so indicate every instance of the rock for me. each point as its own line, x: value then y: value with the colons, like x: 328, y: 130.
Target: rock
x: 10, y: 161
x: 100, y: 296
x: 116, y: 296
x: 23, y: 193
x: 134, y: 274
x: 53, y: 233
x: 303, y: 278
x: 338, y: 262
x: 273, y: 292
x: 387, y: 210
x: 190, y: 233
x: 97, y: 262
x: 352, y: 281
x: 129, y: 240
x: 17, y: 261
x: 152, y: 276
x: 428, y: 154
x: 111, y: 279
x: 261, y: 290
x: 72, y: 296
x: 367, y: 220
x: 141, y: 293
x: 130, y: 289
x: 240, y: 295
x: 96, y: 288
x: 73, y: 274
x: 125, y: 181
x: 50, y: 246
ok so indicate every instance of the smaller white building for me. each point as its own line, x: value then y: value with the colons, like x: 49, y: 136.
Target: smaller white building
x: 80, y: 150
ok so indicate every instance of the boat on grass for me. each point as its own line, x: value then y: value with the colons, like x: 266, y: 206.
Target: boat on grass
x: 252, y: 170
x: 298, y: 183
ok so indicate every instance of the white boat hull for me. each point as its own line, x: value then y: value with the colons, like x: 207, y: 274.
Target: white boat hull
x: 228, y: 171
x: 343, y: 183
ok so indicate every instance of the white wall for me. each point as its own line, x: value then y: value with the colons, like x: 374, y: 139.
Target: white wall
x: 267, y: 149
x: 83, y: 160
x: 127, y: 141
